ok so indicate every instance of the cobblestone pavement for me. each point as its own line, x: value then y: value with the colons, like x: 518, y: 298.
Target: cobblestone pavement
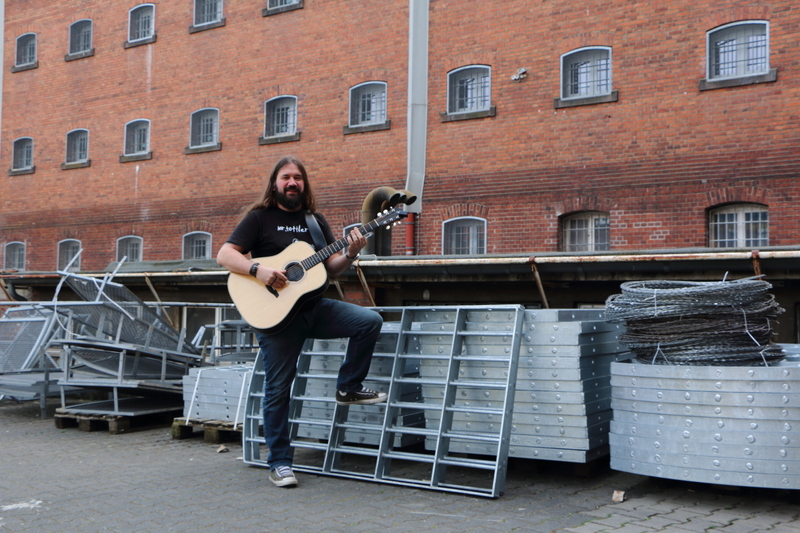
x: 67, y: 480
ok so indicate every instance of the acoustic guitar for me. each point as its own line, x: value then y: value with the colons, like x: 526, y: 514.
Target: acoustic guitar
x: 270, y: 310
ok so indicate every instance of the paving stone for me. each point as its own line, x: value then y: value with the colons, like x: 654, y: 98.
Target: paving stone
x: 145, y: 481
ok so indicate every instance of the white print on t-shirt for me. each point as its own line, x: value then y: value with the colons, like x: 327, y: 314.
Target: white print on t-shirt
x: 293, y: 229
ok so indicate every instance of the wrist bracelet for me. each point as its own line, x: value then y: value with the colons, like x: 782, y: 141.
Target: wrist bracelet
x: 253, y: 269
x: 352, y: 258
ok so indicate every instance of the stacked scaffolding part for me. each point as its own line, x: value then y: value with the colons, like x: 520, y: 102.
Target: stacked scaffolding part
x: 562, y: 398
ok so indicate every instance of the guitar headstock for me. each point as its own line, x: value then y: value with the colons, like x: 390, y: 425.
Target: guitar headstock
x: 390, y: 217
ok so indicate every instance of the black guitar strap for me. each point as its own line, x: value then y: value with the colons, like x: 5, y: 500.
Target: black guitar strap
x: 316, y: 231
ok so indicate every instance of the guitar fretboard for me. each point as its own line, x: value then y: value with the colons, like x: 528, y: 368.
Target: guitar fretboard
x: 337, y: 246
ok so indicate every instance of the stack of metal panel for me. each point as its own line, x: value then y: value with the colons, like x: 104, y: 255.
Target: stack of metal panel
x: 216, y: 393
x: 728, y: 425
x: 562, y: 406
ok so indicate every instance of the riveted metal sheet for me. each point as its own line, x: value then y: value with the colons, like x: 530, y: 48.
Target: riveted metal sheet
x: 765, y: 463
x: 696, y: 432
x: 744, y: 399
x: 548, y: 361
x: 730, y: 424
x: 738, y: 478
x: 726, y: 425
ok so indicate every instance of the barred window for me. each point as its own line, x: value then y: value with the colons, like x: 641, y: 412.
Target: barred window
x: 368, y: 104
x: 207, y: 11
x: 197, y: 245
x: 77, y: 146
x: 80, y: 37
x: 129, y: 247
x: 739, y: 226
x: 586, y: 232
x: 23, y: 154
x: 738, y: 50
x: 469, y: 89
x: 26, y: 50
x: 280, y: 3
x: 68, y: 250
x: 14, y: 256
x: 464, y: 236
x: 205, y: 128
x: 137, y: 137
x: 141, y: 22
x: 586, y: 73
x: 280, y: 116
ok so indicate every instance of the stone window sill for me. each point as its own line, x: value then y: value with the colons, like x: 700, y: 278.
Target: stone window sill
x: 278, y: 139
x: 142, y: 42
x: 707, y: 85
x: 446, y: 117
x: 79, y: 55
x: 203, y: 149
x: 559, y: 103
x: 348, y: 130
x: 82, y: 164
x: 136, y: 157
x: 204, y: 27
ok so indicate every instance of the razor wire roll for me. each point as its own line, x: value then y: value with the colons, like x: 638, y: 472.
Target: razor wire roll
x: 700, y: 323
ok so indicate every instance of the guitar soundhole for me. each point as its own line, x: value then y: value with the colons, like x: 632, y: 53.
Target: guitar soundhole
x: 294, y: 271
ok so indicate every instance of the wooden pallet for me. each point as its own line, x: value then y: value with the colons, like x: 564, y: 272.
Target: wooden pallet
x: 115, y: 424
x: 214, y: 431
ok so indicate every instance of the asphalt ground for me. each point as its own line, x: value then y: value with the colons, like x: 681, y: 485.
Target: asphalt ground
x: 68, y: 480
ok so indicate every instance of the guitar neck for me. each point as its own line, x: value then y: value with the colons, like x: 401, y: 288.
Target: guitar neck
x: 337, y: 246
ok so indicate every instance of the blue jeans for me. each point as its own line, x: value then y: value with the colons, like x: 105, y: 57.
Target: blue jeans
x: 323, y: 319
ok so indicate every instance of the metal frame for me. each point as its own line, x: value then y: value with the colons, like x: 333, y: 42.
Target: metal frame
x: 341, y: 457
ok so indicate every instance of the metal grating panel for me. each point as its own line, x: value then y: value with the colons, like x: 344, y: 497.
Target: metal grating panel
x: 388, y: 462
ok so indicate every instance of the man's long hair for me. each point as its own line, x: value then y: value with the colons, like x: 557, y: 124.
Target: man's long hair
x: 268, y: 198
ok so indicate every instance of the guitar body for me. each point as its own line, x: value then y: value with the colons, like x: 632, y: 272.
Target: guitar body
x: 270, y: 310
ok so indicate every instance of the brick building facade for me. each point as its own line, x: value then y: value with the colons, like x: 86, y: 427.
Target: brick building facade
x: 550, y: 127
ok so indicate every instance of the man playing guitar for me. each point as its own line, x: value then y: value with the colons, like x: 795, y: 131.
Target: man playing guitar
x: 270, y: 225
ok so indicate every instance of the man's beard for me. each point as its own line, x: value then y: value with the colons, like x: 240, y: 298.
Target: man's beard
x: 290, y: 203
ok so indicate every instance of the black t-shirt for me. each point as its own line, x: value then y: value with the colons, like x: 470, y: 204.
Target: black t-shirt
x: 267, y: 232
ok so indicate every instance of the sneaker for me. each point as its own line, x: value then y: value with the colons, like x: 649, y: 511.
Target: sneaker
x: 364, y: 396
x: 283, y: 476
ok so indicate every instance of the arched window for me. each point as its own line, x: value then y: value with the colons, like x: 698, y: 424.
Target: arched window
x: 141, y: 22
x: 207, y: 11
x: 23, y: 154
x: 80, y: 37
x: 205, y: 128
x: 738, y: 50
x: 68, y: 250
x: 77, y: 146
x: 464, y: 236
x: 586, y: 232
x: 137, y: 137
x: 738, y: 226
x: 586, y: 73
x: 197, y: 245
x: 14, y: 256
x: 469, y: 89
x: 280, y: 116
x: 129, y: 247
x: 26, y: 50
x: 368, y: 104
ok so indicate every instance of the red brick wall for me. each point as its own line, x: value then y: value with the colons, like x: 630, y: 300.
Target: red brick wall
x: 656, y: 159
